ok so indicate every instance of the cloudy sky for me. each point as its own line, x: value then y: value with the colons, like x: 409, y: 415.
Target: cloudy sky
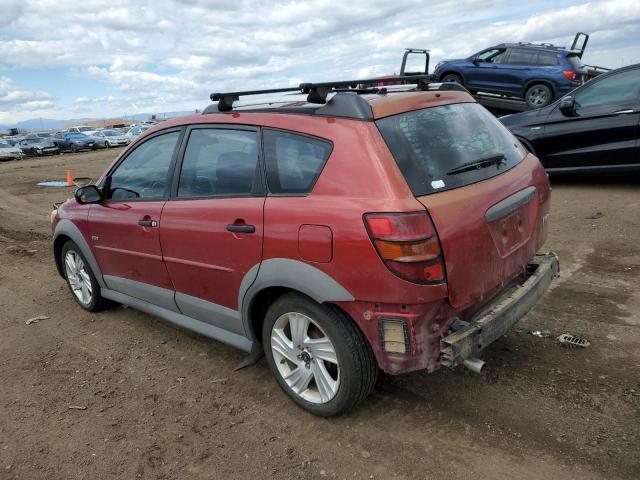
x: 93, y: 58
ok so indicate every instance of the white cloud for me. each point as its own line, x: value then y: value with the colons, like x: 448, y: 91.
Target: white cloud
x: 168, y: 55
x: 11, y: 11
x: 14, y: 98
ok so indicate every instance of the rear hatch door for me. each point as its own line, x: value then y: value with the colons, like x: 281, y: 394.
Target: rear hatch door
x: 489, y: 230
x: 487, y: 198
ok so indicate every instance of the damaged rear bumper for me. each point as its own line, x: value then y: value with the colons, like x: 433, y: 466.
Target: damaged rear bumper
x: 469, y: 338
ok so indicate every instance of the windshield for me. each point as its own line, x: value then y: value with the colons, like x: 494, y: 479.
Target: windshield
x: 4, y: 145
x: 84, y: 129
x: 44, y: 135
x: 109, y: 133
x: 76, y: 135
x: 450, y: 146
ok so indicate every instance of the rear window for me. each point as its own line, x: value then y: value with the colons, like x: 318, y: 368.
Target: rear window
x: 547, y: 58
x: 450, y: 146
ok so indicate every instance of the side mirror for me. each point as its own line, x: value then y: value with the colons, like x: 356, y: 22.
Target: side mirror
x: 88, y: 194
x: 475, y: 61
x: 568, y: 106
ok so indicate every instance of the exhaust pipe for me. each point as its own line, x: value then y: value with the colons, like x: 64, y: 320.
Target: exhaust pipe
x: 475, y: 365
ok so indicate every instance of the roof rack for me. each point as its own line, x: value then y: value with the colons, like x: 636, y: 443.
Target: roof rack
x: 545, y: 45
x: 347, y: 101
x: 317, y: 92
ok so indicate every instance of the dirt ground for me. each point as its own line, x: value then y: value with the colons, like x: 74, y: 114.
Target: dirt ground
x: 161, y: 402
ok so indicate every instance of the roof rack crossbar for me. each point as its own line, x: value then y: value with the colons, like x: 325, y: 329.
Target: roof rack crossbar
x: 225, y: 100
x: 317, y: 92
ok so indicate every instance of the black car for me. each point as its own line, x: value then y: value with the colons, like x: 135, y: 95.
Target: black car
x: 595, y: 128
x: 74, y: 141
x: 33, y: 146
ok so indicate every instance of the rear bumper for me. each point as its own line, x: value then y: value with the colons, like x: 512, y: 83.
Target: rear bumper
x: 469, y: 338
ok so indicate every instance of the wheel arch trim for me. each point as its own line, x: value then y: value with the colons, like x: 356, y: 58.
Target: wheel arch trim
x: 292, y: 274
x: 68, y: 229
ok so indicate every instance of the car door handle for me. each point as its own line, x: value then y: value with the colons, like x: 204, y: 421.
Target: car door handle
x: 147, y: 223
x: 235, y: 228
x: 620, y: 112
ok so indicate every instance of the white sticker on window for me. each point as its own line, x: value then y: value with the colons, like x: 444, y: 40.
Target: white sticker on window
x: 437, y: 184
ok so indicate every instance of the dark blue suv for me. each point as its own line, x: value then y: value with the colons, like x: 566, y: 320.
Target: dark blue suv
x: 537, y: 73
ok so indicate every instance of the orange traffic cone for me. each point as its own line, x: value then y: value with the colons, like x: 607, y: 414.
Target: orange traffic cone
x: 70, y: 182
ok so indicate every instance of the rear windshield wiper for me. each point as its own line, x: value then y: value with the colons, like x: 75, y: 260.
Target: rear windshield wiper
x: 498, y: 160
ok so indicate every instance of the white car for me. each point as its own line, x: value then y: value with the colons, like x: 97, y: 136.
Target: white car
x: 10, y: 152
x: 83, y: 129
x: 110, y: 138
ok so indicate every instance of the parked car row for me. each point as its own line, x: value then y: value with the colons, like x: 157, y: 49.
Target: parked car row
x: 73, y: 139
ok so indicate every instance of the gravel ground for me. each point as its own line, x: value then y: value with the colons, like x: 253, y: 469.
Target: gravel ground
x: 160, y: 402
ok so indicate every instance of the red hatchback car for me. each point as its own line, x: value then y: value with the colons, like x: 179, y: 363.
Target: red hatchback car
x: 342, y: 232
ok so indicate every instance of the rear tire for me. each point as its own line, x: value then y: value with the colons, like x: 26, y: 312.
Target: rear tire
x: 81, y: 279
x: 319, y: 357
x: 538, y: 95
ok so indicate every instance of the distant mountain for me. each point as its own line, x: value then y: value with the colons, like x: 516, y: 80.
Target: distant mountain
x: 52, y: 124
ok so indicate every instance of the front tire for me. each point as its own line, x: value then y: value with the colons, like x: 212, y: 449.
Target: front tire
x: 452, y: 77
x: 318, y: 356
x: 80, y: 278
x: 538, y: 95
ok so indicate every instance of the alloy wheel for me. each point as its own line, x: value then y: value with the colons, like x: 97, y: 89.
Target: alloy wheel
x: 78, y: 276
x: 538, y: 97
x: 305, y: 357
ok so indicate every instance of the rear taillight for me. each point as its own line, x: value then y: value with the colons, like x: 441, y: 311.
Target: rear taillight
x: 570, y: 74
x: 408, y: 245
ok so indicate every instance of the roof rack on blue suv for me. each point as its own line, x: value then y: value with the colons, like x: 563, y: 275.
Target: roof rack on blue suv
x: 534, y: 73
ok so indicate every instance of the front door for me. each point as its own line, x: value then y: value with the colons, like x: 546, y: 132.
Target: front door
x: 602, y: 132
x: 485, y: 73
x: 124, y: 229
x: 211, y: 229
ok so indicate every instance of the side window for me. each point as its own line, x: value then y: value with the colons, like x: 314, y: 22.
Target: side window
x: 144, y: 173
x: 219, y: 162
x: 293, y: 161
x: 522, y: 57
x: 547, y: 59
x: 621, y: 88
x: 491, y: 56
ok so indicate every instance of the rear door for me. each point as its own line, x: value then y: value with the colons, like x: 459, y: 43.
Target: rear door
x: 124, y: 228
x: 604, y: 130
x: 488, y: 200
x: 212, y: 228
x: 518, y: 69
